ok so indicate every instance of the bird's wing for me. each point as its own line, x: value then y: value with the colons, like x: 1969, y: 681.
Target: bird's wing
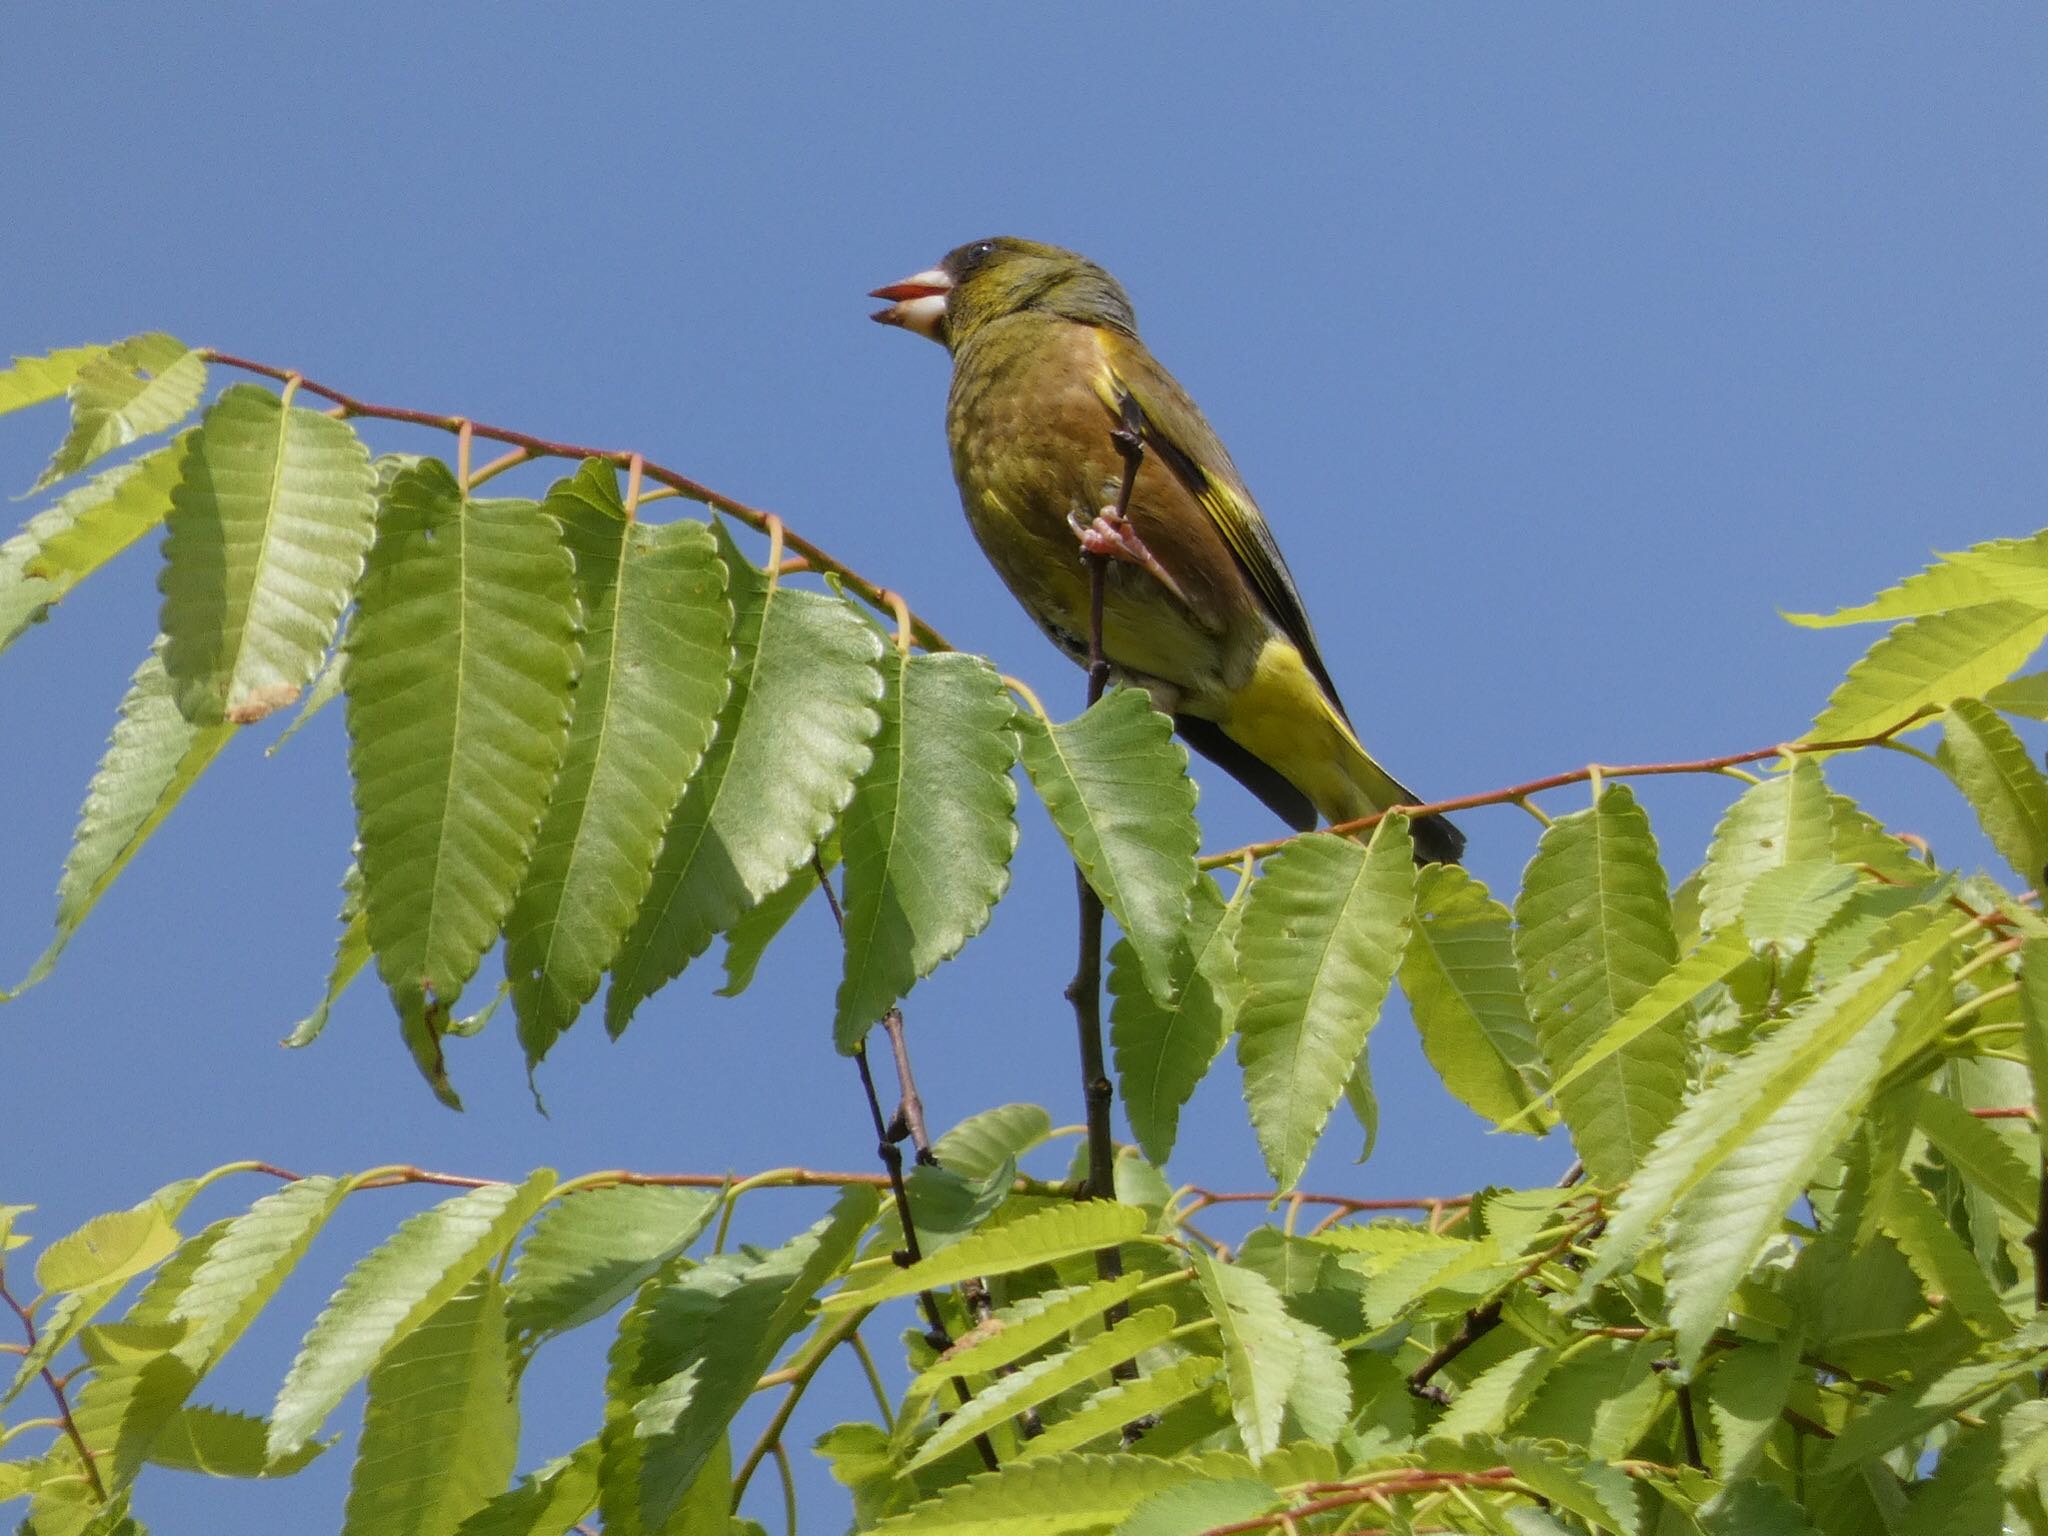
x: 1185, y: 443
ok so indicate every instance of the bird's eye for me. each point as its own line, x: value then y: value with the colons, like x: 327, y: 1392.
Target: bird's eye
x: 982, y: 248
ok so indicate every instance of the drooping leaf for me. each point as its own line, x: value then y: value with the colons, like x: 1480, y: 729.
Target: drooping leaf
x: 592, y: 1249
x: 1116, y: 784
x: 390, y: 1292
x: 145, y: 384
x: 351, y: 954
x: 152, y: 758
x: 32, y: 380
x: 747, y: 940
x: 1105, y: 1413
x: 273, y: 511
x: 1267, y: 1359
x: 792, y: 739
x: 1593, y: 935
x: 981, y: 1143
x: 247, y: 1263
x: 928, y: 835
x: 1996, y: 773
x: 107, y: 1249
x: 461, y: 657
x: 1322, y: 934
x: 1488, y: 1403
x: 548, y: 1503
x: 1597, y: 1493
x: 441, y: 1432
x: 690, y: 1351
x: 1745, y: 1393
x: 1939, y: 1257
x: 78, y: 533
x: 1023, y: 1328
x: 1163, y: 1050
x: 1459, y: 976
x: 656, y: 661
x: 1926, y: 662
x: 1056, y: 1232
x: 1783, y: 820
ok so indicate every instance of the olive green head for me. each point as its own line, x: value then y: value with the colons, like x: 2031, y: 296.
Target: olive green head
x: 986, y: 280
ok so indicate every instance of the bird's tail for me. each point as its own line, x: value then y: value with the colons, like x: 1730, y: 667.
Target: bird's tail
x: 1285, y: 719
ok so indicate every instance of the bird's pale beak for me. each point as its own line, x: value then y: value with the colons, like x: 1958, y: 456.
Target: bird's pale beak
x: 917, y: 303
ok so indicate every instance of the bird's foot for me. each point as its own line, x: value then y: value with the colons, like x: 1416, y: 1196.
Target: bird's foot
x: 1111, y: 537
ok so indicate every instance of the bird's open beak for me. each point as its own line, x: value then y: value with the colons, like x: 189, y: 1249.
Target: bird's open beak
x: 917, y: 303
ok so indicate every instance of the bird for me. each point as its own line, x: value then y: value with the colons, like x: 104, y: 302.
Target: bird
x: 1053, y: 395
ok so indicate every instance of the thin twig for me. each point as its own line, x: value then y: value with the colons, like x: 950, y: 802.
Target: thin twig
x: 57, y: 1392
x: 869, y: 592
x: 1516, y: 793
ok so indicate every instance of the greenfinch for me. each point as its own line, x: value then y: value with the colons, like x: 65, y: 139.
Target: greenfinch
x: 1199, y: 608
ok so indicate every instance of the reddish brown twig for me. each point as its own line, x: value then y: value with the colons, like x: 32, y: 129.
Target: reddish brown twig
x: 57, y: 1392
x: 1519, y: 792
x: 869, y: 592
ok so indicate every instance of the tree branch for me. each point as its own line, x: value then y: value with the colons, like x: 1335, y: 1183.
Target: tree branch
x: 875, y: 595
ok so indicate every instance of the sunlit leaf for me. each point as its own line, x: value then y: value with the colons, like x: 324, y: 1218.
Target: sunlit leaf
x: 1105, y: 1413
x: 106, y: 1249
x: 145, y: 384
x: 80, y: 532
x: 460, y: 662
x: 218, y: 1443
x: 390, y: 1292
x: 272, y: 514
x: 1056, y: 1232
x: 441, y: 1431
x: 1926, y: 662
x: 1593, y: 936
x: 1323, y: 932
x: 1783, y: 820
x: 792, y: 739
x: 592, y: 1249
x: 32, y: 380
x: 351, y: 954
x: 655, y: 665
x: 1997, y: 774
x: 154, y: 755
x: 928, y: 835
x: 1116, y: 784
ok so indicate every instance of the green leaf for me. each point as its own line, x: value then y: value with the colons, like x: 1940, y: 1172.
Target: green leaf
x: 390, y: 1292
x: 152, y: 758
x: 1195, y: 1508
x: 655, y: 674
x: 981, y: 1143
x: 135, y: 387
x: 441, y: 1432
x: 1994, y: 770
x: 1116, y: 784
x: 108, y: 1249
x: 1926, y: 662
x: 1940, y: 1258
x: 80, y: 532
x: 351, y: 954
x: 1593, y: 936
x: 1785, y: 908
x: 1745, y: 1394
x: 1783, y: 820
x: 747, y: 940
x: 592, y: 1249
x: 1904, y: 1415
x: 460, y: 662
x: 248, y: 1262
x: 1323, y: 932
x: 1730, y: 1112
x: 218, y: 1443
x: 690, y: 1351
x: 1489, y: 1401
x: 928, y: 835
x: 1597, y: 1493
x: 1164, y: 1049
x: 32, y: 380
x: 2026, y: 696
x: 791, y: 742
x: 1057, y: 1232
x: 1984, y: 573
x: 1031, y: 1385
x: 549, y: 1503
x: 1459, y: 975
x: 1022, y: 1329
x: 1981, y: 1155
x: 1106, y: 1412
x: 273, y: 511
x: 1275, y: 1364
x: 1733, y: 1208
x: 1050, y: 1496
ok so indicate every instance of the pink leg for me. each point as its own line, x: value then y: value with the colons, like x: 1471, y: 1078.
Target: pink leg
x: 1112, y: 537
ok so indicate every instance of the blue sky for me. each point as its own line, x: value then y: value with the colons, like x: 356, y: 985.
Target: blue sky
x: 1562, y: 346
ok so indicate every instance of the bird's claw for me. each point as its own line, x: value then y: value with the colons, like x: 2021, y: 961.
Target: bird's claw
x: 1111, y: 537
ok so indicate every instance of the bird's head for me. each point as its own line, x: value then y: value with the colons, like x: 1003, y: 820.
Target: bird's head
x: 985, y: 280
